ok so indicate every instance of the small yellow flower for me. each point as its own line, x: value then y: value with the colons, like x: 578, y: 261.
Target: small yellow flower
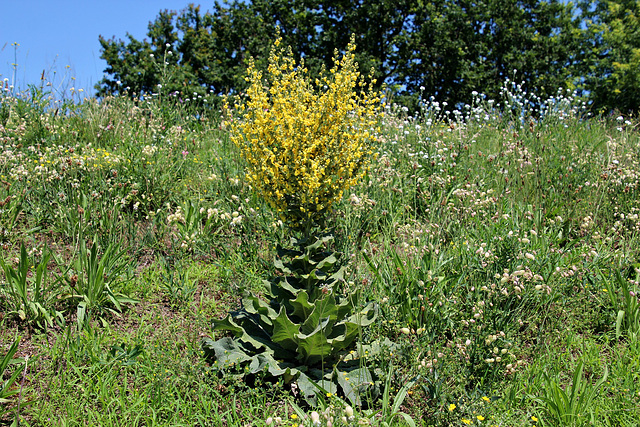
x: 486, y: 399
x: 452, y: 407
x: 480, y: 418
x: 294, y: 416
x: 534, y: 418
x: 466, y: 421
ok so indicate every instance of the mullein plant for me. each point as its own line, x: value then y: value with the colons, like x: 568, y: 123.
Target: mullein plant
x: 305, y: 142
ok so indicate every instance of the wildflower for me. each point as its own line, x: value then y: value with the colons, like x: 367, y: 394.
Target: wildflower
x: 452, y: 407
x: 349, y: 412
x: 315, y: 418
x: 466, y: 421
x: 305, y: 143
x: 534, y: 419
x: 486, y: 399
x: 480, y: 418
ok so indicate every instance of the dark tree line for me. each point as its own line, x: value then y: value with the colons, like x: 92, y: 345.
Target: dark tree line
x: 444, y: 48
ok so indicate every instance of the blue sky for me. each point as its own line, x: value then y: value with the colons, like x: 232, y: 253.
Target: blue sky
x: 54, y: 34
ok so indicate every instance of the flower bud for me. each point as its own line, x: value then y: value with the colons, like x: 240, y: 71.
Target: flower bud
x: 348, y: 411
x: 315, y: 418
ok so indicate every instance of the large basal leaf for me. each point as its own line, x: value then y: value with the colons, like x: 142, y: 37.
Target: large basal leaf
x: 345, y: 307
x: 324, y: 312
x: 303, y: 330
x: 366, y: 316
x: 301, y: 306
x: 285, y: 331
x: 226, y: 351
x: 343, y: 335
x: 227, y: 324
x: 310, y: 388
x: 327, y: 264
x: 356, y: 384
x: 283, y: 288
x: 254, y: 305
x: 314, y: 347
x: 246, y: 327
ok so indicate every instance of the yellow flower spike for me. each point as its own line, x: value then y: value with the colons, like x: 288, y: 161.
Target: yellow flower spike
x: 301, y: 142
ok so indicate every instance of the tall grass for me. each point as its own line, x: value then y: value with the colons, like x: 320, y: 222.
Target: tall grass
x: 501, y: 246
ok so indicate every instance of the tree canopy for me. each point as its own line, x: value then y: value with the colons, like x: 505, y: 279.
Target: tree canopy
x: 442, y: 48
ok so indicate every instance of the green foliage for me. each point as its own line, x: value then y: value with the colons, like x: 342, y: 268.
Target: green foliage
x: 95, y: 280
x: 572, y: 405
x: 613, y: 76
x: 477, y: 45
x: 11, y: 205
x: 623, y: 296
x: 7, y: 380
x: 390, y: 411
x: 305, y: 328
x: 30, y: 297
x: 176, y: 284
x: 126, y: 355
x: 191, y: 53
x: 485, y: 233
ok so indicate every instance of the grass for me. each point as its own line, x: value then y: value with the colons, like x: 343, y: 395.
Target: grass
x: 501, y: 248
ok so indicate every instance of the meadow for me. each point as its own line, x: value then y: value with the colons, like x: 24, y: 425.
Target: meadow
x: 499, y: 244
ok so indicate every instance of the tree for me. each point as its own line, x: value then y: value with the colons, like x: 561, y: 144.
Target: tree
x: 612, y: 76
x: 134, y: 65
x: 448, y: 47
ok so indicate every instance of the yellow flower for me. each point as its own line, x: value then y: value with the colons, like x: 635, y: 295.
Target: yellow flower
x: 294, y: 416
x: 452, y: 407
x: 534, y: 419
x: 466, y: 421
x: 480, y: 417
x: 305, y: 142
x: 486, y: 399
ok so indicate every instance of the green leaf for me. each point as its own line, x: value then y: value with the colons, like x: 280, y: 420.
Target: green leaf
x: 343, y: 335
x: 226, y: 351
x: 355, y: 384
x: 285, y: 331
x: 366, y: 316
x: 324, y: 313
x: 310, y: 388
x: 302, y: 308
x: 314, y: 347
x: 227, y: 324
x: 255, y: 305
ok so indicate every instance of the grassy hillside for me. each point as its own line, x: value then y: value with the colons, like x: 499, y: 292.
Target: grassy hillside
x: 501, y: 247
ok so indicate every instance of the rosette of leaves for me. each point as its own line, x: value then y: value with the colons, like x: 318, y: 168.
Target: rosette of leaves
x: 304, y: 330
